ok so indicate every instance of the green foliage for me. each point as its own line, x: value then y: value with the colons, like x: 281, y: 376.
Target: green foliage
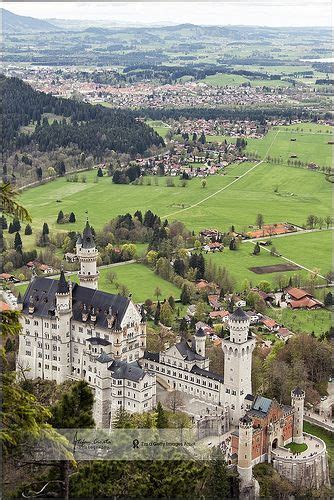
x: 75, y: 409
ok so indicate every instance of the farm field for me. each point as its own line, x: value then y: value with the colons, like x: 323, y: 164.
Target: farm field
x: 308, y: 146
x: 221, y: 79
x: 160, y: 127
x: 312, y: 250
x: 318, y: 321
x: 240, y: 261
x: 139, y: 279
x: 287, y: 194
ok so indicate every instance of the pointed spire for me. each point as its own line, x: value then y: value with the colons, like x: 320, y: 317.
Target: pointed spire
x: 19, y: 298
x: 87, y: 237
x: 62, y: 283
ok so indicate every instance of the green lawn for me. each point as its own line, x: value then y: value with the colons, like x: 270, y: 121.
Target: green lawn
x: 306, y: 249
x: 300, y: 192
x: 160, y: 127
x: 139, y: 279
x: 318, y: 321
x: 308, y: 146
x: 222, y: 79
x: 238, y: 263
x: 296, y: 447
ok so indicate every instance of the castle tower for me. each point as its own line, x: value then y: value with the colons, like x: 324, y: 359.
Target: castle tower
x: 297, y: 401
x: 199, y: 339
x: 238, y: 350
x: 245, y: 450
x: 63, y: 314
x: 87, y: 256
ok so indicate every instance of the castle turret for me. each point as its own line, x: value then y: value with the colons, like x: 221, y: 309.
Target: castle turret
x: 199, y: 339
x: 238, y: 350
x: 87, y: 256
x: 61, y: 357
x: 239, y: 326
x: 19, y: 305
x: 245, y: 450
x: 297, y: 400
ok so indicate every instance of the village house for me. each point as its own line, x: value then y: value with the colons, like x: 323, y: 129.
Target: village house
x: 270, y: 324
x: 8, y: 278
x: 284, y: 334
x: 43, y: 268
x: 296, y: 298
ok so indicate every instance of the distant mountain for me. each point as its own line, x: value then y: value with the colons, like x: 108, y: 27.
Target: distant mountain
x: 12, y: 23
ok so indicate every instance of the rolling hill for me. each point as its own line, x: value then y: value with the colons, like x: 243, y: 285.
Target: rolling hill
x: 12, y: 23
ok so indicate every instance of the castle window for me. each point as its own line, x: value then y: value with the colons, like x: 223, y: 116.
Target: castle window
x: 39, y: 365
x: 80, y: 329
x: 54, y: 325
x: 28, y: 342
x: 27, y: 332
x: 36, y: 322
x: 27, y: 321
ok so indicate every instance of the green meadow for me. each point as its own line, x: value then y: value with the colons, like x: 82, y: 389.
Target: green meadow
x: 306, y: 249
x: 139, y: 279
x: 160, y: 127
x: 222, y: 79
x: 280, y: 193
x: 308, y: 146
x: 318, y: 321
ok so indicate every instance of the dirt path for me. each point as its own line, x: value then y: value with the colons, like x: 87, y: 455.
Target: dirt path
x: 225, y: 187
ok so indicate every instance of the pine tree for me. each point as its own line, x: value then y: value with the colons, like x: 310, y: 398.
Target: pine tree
x: 257, y: 249
x: 171, y: 302
x: 185, y: 294
x: 162, y: 420
x: 71, y: 217
x: 328, y: 301
x: 157, y: 314
x: 10, y: 228
x: 166, y: 314
x: 45, y: 229
x: 60, y: 217
x: 16, y: 225
x: 18, y: 242
x: 75, y: 409
x: 218, y: 483
x: 28, y: 230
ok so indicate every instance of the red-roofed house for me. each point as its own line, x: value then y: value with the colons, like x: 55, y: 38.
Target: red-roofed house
x: 223, y: 315
x: 297, y: 298
x: 270, y: 324
x: 284, y: 334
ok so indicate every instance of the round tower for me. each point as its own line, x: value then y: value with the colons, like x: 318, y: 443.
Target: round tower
x: 239, y: 326
x: 87, y: 256
x: 61, y: 356
x: 245, y: 450
x: 200, y: 342
x: 297, y: 401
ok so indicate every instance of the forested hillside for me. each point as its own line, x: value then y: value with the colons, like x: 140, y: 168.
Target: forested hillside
x: 93, y: 129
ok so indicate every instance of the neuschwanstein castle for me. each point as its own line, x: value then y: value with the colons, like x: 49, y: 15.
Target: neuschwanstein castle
x: 77, y: 332
x: 73, y: 331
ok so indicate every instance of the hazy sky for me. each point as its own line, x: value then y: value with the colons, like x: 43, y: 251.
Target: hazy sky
x: 251, y: 12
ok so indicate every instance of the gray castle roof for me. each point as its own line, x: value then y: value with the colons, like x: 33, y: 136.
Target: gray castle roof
x: 87, y: 237
x: 239, y: 315
x: 187, y: 352
x: 200, y: 333
x: 62, y: 283
x: 43, y: 290
x: 104, y: 358
x: 129, y: 371
x: 297, y: 391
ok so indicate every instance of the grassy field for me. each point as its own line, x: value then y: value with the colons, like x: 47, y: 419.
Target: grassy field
x: 238, y: 263
x: 304, y: 249
x: 222, y: 79
x: 318, y: 321
x: 160, y: 127
x: 300, y: 192
x: 139, y: 279
x: 308, y: 146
